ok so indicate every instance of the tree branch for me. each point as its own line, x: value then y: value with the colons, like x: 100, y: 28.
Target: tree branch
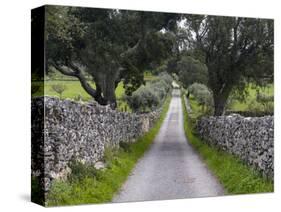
x: 63, y: 71
x: 76, y: 72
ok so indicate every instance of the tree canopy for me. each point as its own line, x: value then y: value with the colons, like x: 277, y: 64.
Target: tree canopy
x: 235, y: 50
x: 192, y: 71
x: 110, y: 45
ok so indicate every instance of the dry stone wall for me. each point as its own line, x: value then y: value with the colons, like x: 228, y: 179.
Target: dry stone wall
x: 63, y: 130
x: 249, y: 138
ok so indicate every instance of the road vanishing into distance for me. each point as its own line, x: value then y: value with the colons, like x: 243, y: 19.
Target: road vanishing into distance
x: 170, y: 169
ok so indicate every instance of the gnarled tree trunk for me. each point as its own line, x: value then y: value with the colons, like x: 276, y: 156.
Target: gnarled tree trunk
x: 219, y: 105
x: 220, y: 98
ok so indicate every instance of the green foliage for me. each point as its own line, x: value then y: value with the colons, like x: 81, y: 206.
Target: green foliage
x: 235, y: 51
x: 125, y: 146
x: 37, y: 193
x: 262, y: 104
x: 191, y: 71
x: 233, y: 174
x: 59, y: 88
x: 203, y: 96
x: 78, y: 98
x: 255, y: 107
x: 143, y: 100
x: 266, y: 101
x: 110, y: 153
x: 76, y: 92
x: 63, y: 31
x: 109, y: 45
x: 118, y: 45
x: 263, y: 98
x: 150, y: 96
x: 80, y: 171
x: 257, y: 100
x: 102, y: 187
x: 123, y: 106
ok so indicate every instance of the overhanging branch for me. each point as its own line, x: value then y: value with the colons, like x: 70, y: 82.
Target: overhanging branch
x: 74, y: 71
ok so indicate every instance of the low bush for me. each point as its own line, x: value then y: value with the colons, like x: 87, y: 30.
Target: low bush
x: 110, y: 154
x: 203, y: 96
x: 80, y: 170
x: 78, y: 98
x: 151, y: 95
x: 261, y: 105
x: 125, y: 146
x: 59, y: 88
x: 266, y: 101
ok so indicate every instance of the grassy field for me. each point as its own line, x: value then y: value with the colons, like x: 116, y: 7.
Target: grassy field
x: 252, y: 92
x: 74, y: 90
x: 87, y: 185
x: 236, y: 177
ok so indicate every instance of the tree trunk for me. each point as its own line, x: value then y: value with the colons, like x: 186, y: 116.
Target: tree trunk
x: 105, y: 83
x: 99, y: 98
x: 96, y: 94
x: 219, y: 104
x: 110, y: 93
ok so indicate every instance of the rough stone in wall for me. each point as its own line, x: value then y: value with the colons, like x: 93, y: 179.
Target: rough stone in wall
x: 63, y: 130
x: 249, y: 138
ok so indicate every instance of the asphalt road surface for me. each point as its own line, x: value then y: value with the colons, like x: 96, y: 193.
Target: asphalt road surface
x: 170, y: 169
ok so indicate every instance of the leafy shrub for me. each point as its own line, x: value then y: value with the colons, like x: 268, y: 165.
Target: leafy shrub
x: 203, y: 96
x: 125, y: 146
x: 78, y: 98
x: 80, y: 171
x: 150, y: 96
x: 165, y: 77
x: 263, y: 104
x: 110, y: 154
x: 263, y: 98
x: 59, y: 88
x: 143, y: 99
x: 266, y: 101
x: 60, y: 192
x: 191, y: 71
x: 269, y: 108
x: 255, y: 107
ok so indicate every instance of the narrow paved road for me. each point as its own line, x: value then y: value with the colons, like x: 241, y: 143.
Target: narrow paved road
x: 170, y: 169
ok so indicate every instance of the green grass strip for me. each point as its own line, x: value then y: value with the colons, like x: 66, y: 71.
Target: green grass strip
x: 101, y: 186
x: 233, y: 174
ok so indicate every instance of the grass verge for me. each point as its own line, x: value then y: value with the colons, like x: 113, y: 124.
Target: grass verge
x: 88, y: 185
x: 236, y: 177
